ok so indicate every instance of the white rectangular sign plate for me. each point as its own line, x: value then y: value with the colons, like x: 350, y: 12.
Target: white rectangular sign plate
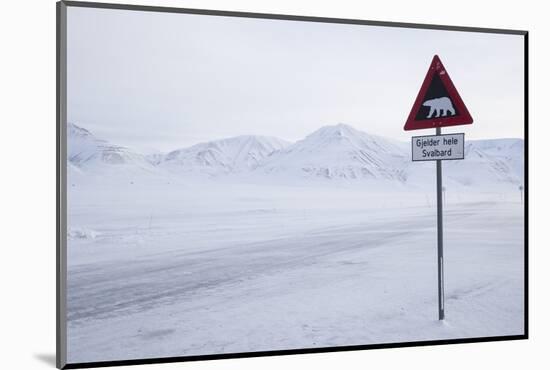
x: 434, y: 147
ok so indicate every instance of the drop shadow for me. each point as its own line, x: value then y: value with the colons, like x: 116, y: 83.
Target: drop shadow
x: 47, y: 358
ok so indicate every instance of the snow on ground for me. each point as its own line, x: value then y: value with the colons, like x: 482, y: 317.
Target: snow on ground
x: 167, y: 268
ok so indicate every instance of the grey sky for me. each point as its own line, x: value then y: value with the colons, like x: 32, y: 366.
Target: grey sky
x: 159, y: 80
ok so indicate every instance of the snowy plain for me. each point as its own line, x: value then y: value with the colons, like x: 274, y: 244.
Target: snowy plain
x: 165, y: 262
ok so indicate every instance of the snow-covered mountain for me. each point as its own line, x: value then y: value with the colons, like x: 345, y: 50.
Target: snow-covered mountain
x: 487, y: 164
x: 337, y: 152
x: 219, y: 157
x: 489, y: 161
x: 86, y: 152
x: 343, y: 152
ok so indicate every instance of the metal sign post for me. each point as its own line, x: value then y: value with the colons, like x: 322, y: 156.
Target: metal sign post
x: 440, y: 236
x: 438, y: 148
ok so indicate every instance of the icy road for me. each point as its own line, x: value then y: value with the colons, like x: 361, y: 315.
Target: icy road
x: 153, y: 283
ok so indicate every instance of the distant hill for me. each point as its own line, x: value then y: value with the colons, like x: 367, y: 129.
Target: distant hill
x: 341, y: 152
x: 331, y: 153
x: 219, y: 157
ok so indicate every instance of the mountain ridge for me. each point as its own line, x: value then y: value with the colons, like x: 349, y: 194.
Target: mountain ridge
x: 341, y: 151
x: 333, y: 152
x: 238, y: 153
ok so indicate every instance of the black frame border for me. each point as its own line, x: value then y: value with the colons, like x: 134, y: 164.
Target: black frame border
x: 61, y: 194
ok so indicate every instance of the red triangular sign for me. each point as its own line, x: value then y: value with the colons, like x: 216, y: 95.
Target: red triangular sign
x: 438, y: 103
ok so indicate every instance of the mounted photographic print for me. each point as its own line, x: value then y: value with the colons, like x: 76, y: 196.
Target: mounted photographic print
x: 237, y: 184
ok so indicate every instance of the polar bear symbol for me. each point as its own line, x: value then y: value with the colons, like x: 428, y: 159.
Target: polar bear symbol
x: 439, y: 106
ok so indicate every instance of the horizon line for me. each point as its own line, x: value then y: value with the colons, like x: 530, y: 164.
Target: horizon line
x: 290, y: 142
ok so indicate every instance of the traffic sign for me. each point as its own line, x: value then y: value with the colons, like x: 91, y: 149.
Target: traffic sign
x: 435, y: 147
x: 438, y: 103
